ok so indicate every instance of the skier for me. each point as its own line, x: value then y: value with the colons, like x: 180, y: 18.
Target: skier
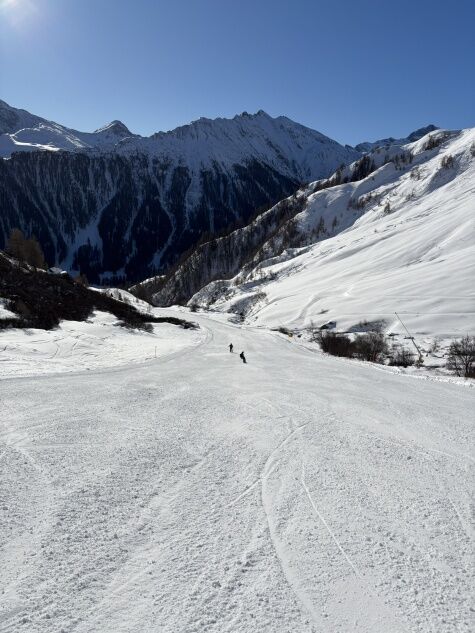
x: 231, y: 347
x: 241, y: 355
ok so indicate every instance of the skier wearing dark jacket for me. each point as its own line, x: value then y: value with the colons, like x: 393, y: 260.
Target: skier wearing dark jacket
x: 241, y: 356
x: 231, y: 347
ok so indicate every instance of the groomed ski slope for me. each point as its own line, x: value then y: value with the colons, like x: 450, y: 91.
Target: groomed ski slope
x: 297, y: 493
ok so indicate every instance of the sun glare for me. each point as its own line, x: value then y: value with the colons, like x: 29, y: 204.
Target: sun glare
x: 8, y: 6
x: 17, y: 12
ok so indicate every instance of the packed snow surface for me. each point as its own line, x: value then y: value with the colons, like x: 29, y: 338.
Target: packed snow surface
x: 294, y: 493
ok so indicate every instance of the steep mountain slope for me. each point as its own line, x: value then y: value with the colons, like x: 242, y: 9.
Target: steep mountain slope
x: 402, y: 239
x: 117, y: 204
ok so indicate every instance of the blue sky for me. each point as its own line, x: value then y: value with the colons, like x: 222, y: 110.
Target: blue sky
x: 355, y: 70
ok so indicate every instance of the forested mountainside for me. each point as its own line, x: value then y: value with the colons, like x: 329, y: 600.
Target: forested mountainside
x: 113, y: 204
x: 125, y: 215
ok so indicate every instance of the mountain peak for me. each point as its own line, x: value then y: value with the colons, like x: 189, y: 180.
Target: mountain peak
x: 116, y: 127
x: 246, y: 115
x: 420, y: 132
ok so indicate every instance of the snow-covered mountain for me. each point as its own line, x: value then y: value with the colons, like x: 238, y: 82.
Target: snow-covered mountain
x: 21, y: 131
x: 115, y: 203
x: 367, y: 146
x: 288, y: 146
x: 393, y: 232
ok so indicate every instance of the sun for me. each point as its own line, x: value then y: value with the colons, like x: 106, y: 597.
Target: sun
x: 17, y: 12
x: 9, y: 5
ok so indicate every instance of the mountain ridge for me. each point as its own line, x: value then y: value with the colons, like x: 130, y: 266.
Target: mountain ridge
x: 84, y: 141
x: 112, y: 204
x: 410, y: 138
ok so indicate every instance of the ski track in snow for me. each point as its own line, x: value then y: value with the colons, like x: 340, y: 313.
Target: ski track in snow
x: 322, y: 519
x: 194, y: 493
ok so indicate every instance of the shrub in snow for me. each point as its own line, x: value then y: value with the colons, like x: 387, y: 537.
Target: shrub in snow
x: 461, y: 358
x: 361, y: 202
x: 447, y: 162
x: 335, y: 343
x: 435, y: 346
x: 401, y: 357
x: 416, y: 173
x: 371, y: 346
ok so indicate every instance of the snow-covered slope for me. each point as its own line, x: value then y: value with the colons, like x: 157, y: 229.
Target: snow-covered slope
x: 118, y: 204
x: 97, y: 343
x: 400, y: 240
x: 296, y: 493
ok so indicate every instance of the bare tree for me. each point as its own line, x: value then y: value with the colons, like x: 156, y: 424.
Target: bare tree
x: 461, y: 358
x: 401, y: 357
x: 371, y: 346
x: 25, y: 250
x: 34, y: 253
x: 16, y: 244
